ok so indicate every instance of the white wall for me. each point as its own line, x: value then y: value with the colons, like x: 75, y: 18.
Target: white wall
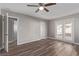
x: 43, y: 29
x: 51, y: 29
x: 28, y: 27
x: 0, y: 11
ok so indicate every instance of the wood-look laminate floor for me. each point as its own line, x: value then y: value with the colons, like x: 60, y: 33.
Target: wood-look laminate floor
x: 44, y: 47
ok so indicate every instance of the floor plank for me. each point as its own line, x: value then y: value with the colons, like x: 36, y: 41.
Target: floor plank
x: 44, y: 47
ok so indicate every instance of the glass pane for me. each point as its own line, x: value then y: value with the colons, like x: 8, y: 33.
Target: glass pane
x: 68, y: 31
x: 59, y: 31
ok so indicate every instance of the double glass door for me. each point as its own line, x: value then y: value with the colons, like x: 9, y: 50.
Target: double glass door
x: 64, y: 30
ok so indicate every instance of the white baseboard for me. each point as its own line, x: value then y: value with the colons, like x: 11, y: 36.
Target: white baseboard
x: 45, y: 38
x: 24, y: 42
x: 64, y: 40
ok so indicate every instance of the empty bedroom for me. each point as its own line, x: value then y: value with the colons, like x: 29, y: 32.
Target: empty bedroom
x: 39, y: 29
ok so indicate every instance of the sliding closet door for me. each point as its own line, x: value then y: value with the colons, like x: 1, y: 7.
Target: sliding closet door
x: 6, y: 32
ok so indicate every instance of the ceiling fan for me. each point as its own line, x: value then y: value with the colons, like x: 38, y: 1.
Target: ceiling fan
x: 42, y: 6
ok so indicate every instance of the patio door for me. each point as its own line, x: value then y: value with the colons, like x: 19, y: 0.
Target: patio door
x: 64, y: 29
x: 59, y: 30
x: 68, y: 30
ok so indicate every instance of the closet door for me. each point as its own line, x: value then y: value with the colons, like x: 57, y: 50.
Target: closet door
x: 6, y: 32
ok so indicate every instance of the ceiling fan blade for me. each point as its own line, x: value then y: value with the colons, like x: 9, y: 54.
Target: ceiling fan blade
x: 46, y: 9
x: 49, y: 4
x: 37, y: 10
x: 33, y: 5
x: 41, y: 4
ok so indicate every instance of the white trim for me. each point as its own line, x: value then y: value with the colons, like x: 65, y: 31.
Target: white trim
x: 7, y: 31
x: 63, y: 40
x: 73, y: 29
x: 13, y: 17
x: 31, y: 41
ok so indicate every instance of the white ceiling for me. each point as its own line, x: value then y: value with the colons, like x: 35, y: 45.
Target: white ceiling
x: 59, y: 10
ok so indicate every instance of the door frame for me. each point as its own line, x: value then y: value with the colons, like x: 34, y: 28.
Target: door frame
x: 17, y: 23
x: 3, y: 33
x: 63, y: 22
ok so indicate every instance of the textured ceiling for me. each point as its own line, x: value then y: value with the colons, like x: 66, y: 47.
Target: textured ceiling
x: 58, y: 10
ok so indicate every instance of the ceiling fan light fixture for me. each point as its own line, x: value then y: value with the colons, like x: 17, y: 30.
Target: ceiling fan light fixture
x: 41, y: 8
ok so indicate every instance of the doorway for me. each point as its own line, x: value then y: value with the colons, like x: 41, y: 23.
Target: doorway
x: 12, y: 32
